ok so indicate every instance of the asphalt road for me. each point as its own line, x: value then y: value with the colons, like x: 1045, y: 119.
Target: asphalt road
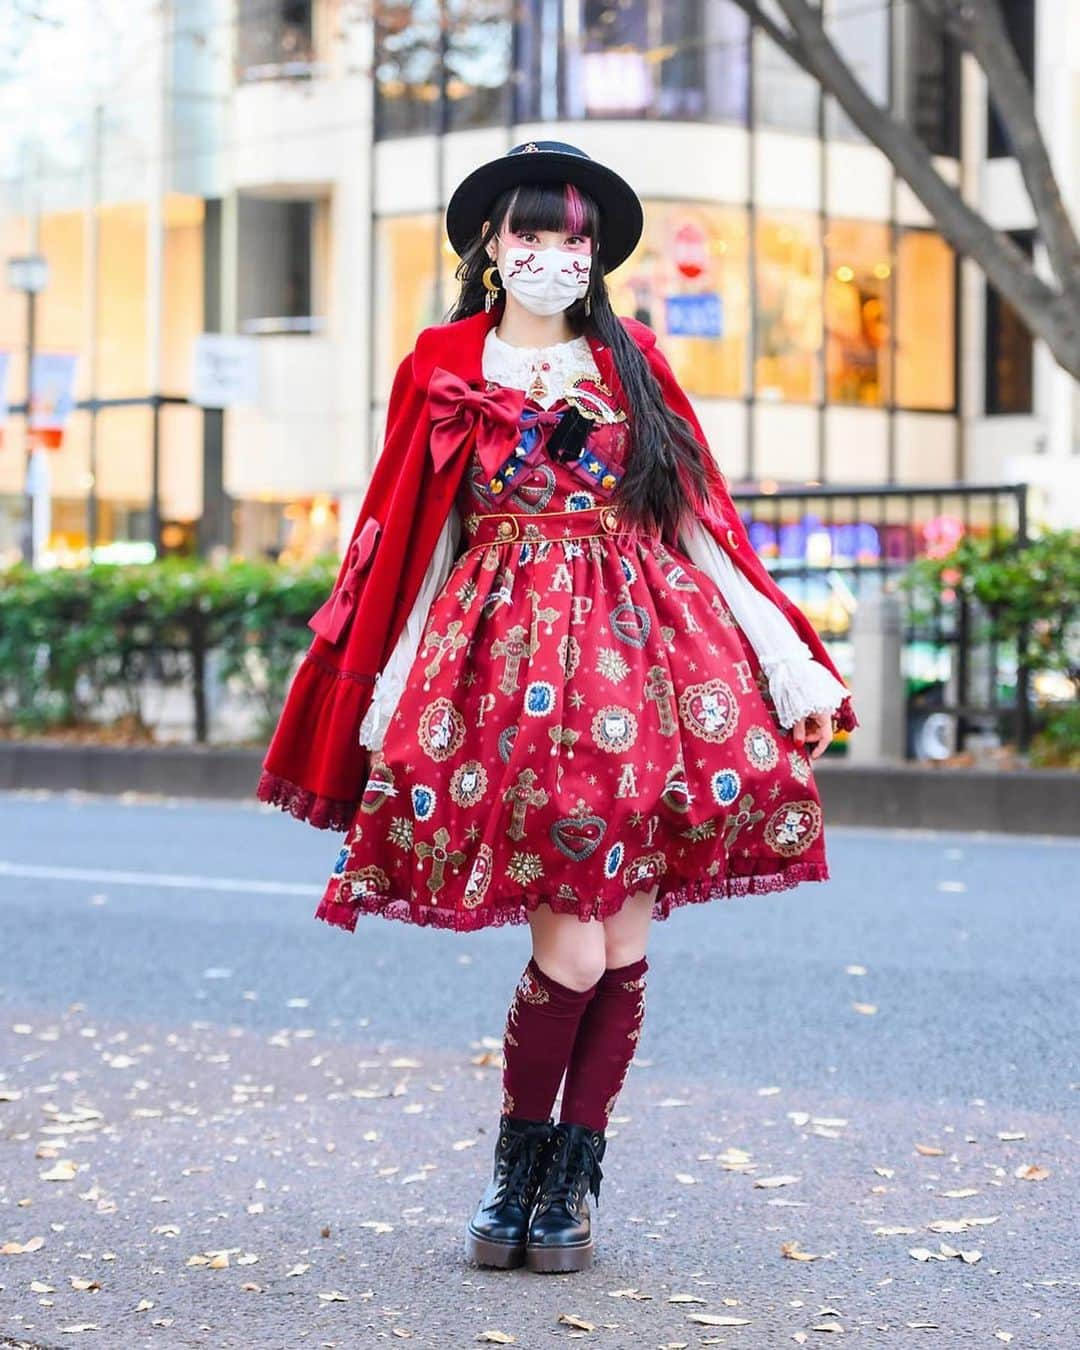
x: 191, y: 1065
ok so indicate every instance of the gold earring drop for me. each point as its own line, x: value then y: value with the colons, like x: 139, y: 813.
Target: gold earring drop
x: 489, y: 286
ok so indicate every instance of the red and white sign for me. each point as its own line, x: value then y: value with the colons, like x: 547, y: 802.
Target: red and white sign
x: 691, y: 249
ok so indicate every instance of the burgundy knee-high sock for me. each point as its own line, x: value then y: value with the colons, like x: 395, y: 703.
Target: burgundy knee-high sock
x: 606, y: 1039
x: 541, y: 1023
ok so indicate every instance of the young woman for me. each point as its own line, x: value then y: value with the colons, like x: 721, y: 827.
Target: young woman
x: 571, y: 694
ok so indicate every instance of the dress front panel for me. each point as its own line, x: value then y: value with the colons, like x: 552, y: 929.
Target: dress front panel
x: 584, y: 720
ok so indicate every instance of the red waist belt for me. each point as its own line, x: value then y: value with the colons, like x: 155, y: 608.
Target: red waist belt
x: 506, y: 528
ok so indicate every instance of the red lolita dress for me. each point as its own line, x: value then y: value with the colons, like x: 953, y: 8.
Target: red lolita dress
x: 581, y: 716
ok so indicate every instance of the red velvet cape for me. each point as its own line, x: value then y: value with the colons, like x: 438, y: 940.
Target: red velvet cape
x: 315, y: 767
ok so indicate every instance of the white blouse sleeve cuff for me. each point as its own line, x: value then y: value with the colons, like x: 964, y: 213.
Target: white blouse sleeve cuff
x: 391, y: 680
x: 798, y: 684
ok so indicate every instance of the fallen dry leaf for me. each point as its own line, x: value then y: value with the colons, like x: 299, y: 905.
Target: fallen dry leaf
x: 770, y: 1183
x: 16, y: 1248
x: 686, y: 1298
x: 64, y: 1170
x: 929, y: 1150
x: 866, y: 1008
x: 715, y: 1320
x: 960, y: 1195
x: 1009, y: 1135
x: 1031, y: 1172
x: 827, y: 1326
x: 794, y: 1252
x: 334, y: 1296
x: 496, y: 1337
x: 893, y: 1230
x: 1005, y: 1336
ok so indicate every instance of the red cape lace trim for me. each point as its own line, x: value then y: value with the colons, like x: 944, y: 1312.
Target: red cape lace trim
x: 325, y: 813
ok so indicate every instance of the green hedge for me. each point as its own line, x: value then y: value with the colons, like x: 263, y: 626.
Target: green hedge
x: 1030, y: 593
x: 68, y: 637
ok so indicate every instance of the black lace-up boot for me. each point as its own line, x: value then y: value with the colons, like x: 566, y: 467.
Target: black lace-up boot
x: 496, y: 1232
x: 560, y: 1233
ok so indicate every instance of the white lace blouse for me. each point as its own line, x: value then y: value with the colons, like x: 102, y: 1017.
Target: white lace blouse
x: 797, y: 683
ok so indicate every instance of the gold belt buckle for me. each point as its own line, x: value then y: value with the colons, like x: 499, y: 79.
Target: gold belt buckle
x: 507, y: 530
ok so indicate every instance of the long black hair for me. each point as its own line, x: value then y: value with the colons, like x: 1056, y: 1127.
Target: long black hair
x: 665, y: 479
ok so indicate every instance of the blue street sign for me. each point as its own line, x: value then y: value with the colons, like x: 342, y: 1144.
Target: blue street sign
x: 700, y: 315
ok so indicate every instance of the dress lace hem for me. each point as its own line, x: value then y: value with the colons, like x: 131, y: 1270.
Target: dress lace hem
x: 324, y: 813
x: 763, y: 876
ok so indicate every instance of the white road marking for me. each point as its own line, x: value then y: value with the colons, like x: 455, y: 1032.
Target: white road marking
x: 180, y: 882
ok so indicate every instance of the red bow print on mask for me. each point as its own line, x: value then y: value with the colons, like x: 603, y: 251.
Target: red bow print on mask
x: 456, y: 407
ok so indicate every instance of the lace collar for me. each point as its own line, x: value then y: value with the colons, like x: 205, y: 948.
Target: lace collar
x: 542, y: 372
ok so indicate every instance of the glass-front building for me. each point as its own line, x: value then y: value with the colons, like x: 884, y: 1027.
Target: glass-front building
x: 783, y: 287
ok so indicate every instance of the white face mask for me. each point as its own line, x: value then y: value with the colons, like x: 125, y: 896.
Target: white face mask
x: 545, y: 280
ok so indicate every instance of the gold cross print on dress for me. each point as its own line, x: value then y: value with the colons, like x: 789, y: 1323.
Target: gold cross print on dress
x: 452, y: 642
x: 522, y: 795
x: 547, y: 615
x: 440, y: 855
x: 515, y: 649
x: 660, y: 690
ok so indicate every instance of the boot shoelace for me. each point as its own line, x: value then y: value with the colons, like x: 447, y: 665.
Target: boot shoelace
x: 568, y: 1165
x: 519, y: 1161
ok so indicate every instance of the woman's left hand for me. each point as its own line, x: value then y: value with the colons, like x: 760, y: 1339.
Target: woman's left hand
x: 815, y: 729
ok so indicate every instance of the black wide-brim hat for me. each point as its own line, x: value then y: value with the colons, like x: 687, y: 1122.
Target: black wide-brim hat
x: 621, y: 216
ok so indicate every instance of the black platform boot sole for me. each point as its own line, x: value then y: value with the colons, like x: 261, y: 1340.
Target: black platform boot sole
x: 554, y: 1259
x: 483, y: 1252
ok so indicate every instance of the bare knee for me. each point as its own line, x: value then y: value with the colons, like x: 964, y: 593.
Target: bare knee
x: 626, y: 934
x: 571, y: 952
x: 577, y: 970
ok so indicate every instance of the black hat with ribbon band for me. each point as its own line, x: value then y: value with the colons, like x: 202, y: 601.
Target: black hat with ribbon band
x: 621, y: 216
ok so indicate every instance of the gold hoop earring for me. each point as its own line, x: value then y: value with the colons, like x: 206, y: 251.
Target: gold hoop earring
x: 489, y: 286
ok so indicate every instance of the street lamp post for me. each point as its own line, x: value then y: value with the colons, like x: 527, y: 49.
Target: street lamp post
x: 30, y: 275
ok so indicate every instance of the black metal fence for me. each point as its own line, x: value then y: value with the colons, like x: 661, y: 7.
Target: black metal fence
x: 830, y: 547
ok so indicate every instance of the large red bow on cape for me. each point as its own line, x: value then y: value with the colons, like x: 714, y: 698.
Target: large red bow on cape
x: 456, y: 407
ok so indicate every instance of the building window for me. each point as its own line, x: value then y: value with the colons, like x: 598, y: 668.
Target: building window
x: 275, y: 41
x: 655, y: 58
x: 407, y: 64
x: 703, y: 64
x: 861, y: 35
x: 280, y: 266
x: 417, y: 90
x: 1008, y: 348
x: 925, y: 322
x: 788, y: 295
x: 406, y: 299
x: 929, y: 80
x: 478, y: 63
x: 687, y: 279
x: 1019, y: 16
x: 857, y: 286
x: 785, y: 96
x: 545, y: 59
